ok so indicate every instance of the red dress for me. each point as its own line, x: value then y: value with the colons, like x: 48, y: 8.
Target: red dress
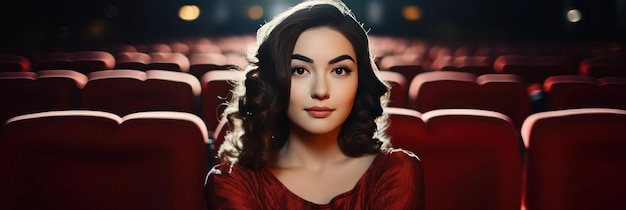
x: 394, y: 180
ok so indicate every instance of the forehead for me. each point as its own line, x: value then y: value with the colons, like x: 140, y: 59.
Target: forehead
x: 323, y: 41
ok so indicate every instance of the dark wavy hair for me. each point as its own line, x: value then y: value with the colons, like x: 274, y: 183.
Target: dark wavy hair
x: 257, y: 113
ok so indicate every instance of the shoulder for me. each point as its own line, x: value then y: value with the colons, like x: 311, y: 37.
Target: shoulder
x: 402, y: 155
x: 397, y: 161
x: 230, y: 171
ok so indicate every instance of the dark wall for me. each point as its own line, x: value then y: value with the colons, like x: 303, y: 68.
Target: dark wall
x: 36, y: 23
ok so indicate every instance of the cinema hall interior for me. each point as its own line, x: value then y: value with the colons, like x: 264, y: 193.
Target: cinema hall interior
x: 117, y: 104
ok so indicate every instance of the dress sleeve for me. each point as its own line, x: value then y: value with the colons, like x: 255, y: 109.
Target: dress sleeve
x: 401, y: 185
x: 229, y: 187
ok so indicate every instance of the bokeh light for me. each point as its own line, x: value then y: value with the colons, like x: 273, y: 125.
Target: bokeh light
x: 97, y: 28
x: 255, y: 12
x: 189, y: 12
x: 574, y: 15
x: 411, y: 12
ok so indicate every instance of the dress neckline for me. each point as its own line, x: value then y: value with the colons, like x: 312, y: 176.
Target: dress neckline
x: 344, y: 194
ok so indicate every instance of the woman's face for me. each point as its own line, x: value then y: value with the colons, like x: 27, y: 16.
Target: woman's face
x: 324, y: 81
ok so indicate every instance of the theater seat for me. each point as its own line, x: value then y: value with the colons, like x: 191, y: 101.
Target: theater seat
x: 478, y: 65
x: 29, y: 92
x: 504, y: 93
x: 168, y: 61
x: 216, y: 92
x: 132, y: 60
x: 12, y: 63
x: 219, y: 136
x: 406, y: 128
x: 53, y: 61
x: 575, y: 159
x: 603, y: 67
x: 408, y: 66
x: 471, y: 160
x: 89, y: 61
x: 201, y: 63
x: 566, y: 92
x: 96, y: 160
x: 614, y: 91
x: 128, y: 91
x: 399, y: 88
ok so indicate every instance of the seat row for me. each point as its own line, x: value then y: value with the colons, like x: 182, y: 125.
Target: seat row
x: 117, y: 91
x: 531, y: 69
x: 505, y: 93
x: 126, y: 91
x: 78, y: 159
x: 473, y: 159
x: 89, y: 61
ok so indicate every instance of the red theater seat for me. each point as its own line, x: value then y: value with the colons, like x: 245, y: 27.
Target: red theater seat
x: 408, y: 66
x: 168, y: 61
x: 459, y: 90
x: 603, y: 67
x: 53, y: 61
x: 201, y: 63
x: 216, y: 91
x: 566, y: 92
x: 97, y: 160
x: 547, y: 66
x: 12, y: 63
x: 219, y: 136
x: 28, y: 92
x: 132, y: 60
x: 516, y: 64
x: 128, y: 91
x: 179, y: 47
x: 399, y: 88
x: 443, y: 63
x: 478, y: 65
x: 614, y: 91
x: 406, y: 128
x: 90, y: 61
x: 471, y: 160
x: 575, y: 159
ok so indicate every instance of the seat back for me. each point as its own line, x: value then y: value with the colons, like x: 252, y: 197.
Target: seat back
x: 216, y: 91
x: 478, y: 65
x: 408, y: 66
x: 567, y: 92
x: 471, y: 160
x: 90, y: 61
x: 53, y: 61
x: 132, y: 60
x: 97, y: 160
x: 128, y: 91
x: 399, y: 88
x: 406, y: 128
x: 575, y: 159
x: 29, y: 92
x: 443, y: 90
x: 168, y: 61
x: 613, y: 91
x: 13, y: 63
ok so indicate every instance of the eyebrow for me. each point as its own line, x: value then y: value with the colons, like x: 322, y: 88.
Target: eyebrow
x: 334, y: 60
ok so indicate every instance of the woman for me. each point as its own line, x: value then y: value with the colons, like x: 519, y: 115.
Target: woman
x: 308, y: 124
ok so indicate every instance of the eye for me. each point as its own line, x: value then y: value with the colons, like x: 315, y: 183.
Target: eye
x: 298, y: 71
x: 341, y: 71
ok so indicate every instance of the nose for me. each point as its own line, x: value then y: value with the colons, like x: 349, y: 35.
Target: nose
x: 319, y: 90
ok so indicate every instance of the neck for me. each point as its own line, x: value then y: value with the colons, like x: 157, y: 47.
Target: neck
x: 304, y: 149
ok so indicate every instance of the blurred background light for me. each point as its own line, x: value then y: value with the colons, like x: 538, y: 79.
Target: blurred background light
x: 411, y: 12
x: 574, y: 15
x: 189, y: 12
x: 255, y: 12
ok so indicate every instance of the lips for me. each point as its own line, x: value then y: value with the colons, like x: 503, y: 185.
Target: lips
x: 319, y: 111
